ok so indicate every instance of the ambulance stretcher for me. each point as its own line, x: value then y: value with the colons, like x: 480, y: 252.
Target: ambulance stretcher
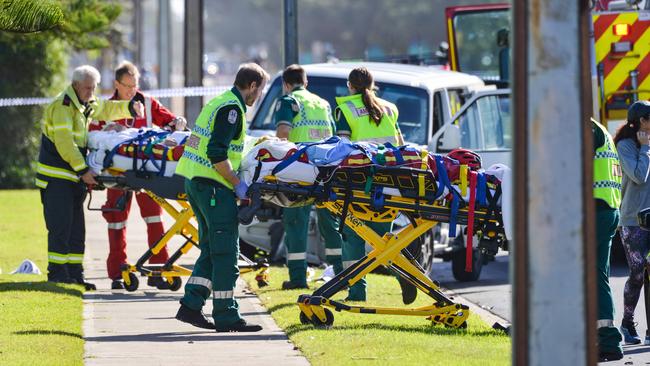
x: 165, y: 190
x: 357, y: 194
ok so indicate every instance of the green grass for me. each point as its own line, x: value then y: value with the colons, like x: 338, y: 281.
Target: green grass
x: 40, y: 322
x: 360, y: 339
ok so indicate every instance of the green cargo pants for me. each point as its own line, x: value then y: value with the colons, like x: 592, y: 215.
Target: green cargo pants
x: 354, y: 248
x: 609, y: 338
x: 296, y: 229
x: 216, y: 269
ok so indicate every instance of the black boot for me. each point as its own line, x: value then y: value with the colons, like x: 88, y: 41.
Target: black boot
x: 609, y: 356
x: 240, y: 326
x: 194, y: 317
x: 117, y: 285
x: 409, y: 291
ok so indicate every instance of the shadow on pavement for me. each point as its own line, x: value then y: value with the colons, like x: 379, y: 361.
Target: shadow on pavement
x: 187, y: 337
x: 130, y: 297
x: 48, y: 332
x: 297, y: 328
x: 73, y: 290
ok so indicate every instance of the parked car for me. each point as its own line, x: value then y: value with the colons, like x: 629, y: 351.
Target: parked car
x: 427, y: 98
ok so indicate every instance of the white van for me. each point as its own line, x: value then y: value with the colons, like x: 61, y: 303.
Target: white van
x: 427, y: 98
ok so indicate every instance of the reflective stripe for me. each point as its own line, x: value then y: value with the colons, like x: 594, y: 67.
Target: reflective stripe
x: 76, y: 258
x: 147, y: 104
x: 333, y: 251
x: 200, y: 281
x: 54, y: 172
x: 57, y: 258
x: 59, y: 128
x: 79, y: 167
x: 604, y: 323
x: 152, y: 219
x: 117, y: 225
x: 223, y: 294
x: 40, y: 183
x: 296, y: 256
x: 347, y: 264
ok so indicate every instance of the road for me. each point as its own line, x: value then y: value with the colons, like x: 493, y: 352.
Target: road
x: 493, y: 293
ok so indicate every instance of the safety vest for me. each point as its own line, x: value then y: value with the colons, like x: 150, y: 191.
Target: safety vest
x: 195, y: 161
x: 361, y: 127
x: 607, y: 171
x: 313, y: 121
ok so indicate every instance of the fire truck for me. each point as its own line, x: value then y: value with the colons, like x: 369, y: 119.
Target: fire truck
x: 478, y: 37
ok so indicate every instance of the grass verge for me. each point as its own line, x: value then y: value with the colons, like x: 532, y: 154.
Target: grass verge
x: 40, y: 322
x: 359, y: 339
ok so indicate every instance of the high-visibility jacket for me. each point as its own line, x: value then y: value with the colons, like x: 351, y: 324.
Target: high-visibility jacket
x: 195, y: 161
x: 313, y: 122
x: 64, y: 134
x: 607, y: 171
x: 154, y: 114
x: 361, y: 127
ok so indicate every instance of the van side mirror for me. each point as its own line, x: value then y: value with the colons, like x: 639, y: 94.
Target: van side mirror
x: 450, y: 139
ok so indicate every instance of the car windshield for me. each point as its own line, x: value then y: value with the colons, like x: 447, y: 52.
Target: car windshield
x: 486, y: 124
x: 412, y: 104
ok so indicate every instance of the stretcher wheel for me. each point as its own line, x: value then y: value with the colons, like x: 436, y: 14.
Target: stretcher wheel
x: 176, y: 284
x: 262, y: 283
x: 134, y: 283
x: 304, y: 319
x: 329, y: 319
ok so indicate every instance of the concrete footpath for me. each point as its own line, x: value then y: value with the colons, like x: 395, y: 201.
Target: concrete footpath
x: 138, y: 328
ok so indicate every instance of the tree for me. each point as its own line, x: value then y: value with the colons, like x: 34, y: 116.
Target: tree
x: 28, y: 16
x: 34, y: 65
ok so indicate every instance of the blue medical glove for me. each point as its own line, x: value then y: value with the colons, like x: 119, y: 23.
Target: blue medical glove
x: 241, y: 189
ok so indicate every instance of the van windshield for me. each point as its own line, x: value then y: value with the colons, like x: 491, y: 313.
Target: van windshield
x: 412, y: 104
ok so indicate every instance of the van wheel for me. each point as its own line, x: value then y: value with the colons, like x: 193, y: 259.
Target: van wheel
x: 427, y: 251
x: 458, y: 264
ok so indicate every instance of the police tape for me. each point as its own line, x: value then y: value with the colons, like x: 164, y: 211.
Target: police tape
x: 193, y: 91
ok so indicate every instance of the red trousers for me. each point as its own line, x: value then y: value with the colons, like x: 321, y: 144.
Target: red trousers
x: 150, y: 211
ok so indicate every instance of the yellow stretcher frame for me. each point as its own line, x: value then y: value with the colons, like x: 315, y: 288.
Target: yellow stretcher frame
x: 387, y: 251
x: 170, y: 272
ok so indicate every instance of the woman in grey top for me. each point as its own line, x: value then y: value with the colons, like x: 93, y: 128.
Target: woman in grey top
x: 633, y: 144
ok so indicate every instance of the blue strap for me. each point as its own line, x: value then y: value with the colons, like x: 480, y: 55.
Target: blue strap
x: 163, y: 162
x: 455, y: 202
x: 397, y: 152
x: 286, y: 162
x: 378, y: 198
x: 443, y: 178
x: 108, y: 159
x: 481, y: 189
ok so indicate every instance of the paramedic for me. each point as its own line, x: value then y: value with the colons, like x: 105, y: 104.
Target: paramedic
x: 301, y: 116
x: 62, y: 171
x: 633, y: 144
x: 362, y: 116
x: 607, y: 194
x: 126, y: 88
x: 209, y: 164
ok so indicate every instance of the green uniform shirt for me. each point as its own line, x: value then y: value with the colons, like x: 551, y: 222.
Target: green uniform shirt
x: 224, y: 131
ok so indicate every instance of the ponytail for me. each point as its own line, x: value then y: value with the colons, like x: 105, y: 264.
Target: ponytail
x: 362, y: 81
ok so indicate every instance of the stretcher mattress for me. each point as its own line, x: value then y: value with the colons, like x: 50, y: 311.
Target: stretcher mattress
x: 151, y: 150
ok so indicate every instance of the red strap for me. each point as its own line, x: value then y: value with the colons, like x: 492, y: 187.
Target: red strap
x: 470, y: 221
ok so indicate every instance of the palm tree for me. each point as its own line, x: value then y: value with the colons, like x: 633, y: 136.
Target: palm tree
x: 29, y: 16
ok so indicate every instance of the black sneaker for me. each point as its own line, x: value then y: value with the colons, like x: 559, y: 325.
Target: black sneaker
x: 409, y: 291
x: 117, y: 285
x: 288, y: 285
x: 158, y: 282
x: 194, y: 317
x: 240, y: 326
x: 87, y: 285
x: 609, y: 356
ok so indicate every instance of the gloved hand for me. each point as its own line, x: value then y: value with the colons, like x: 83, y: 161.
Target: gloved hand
x: 241, y: 190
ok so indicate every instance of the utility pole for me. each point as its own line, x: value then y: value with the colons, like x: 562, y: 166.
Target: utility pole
x: 553, y: 257
x: 193, y: 57
x: 290, y: 32
x: 137, y: 31
x: 164, y: 46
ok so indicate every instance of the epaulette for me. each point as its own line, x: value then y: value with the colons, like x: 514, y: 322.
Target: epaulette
x: 67, y: 100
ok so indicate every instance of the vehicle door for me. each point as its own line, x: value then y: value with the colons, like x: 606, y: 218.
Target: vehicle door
x: 483, y: 125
